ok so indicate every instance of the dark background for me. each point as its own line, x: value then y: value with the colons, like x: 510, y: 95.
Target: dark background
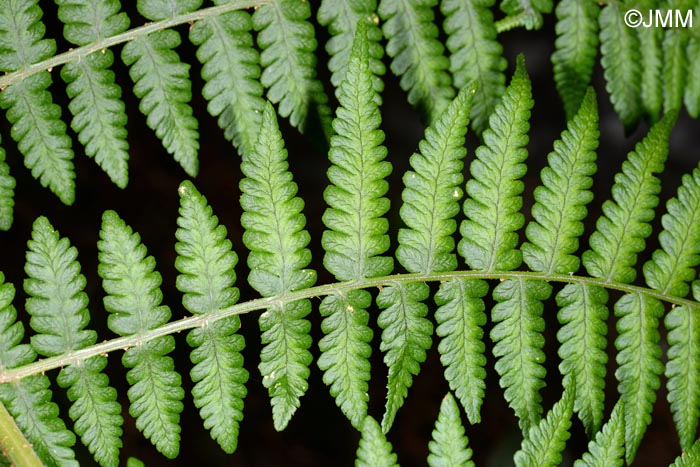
x: 318, y: 435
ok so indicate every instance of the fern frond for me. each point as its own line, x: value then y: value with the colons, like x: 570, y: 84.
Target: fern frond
x: 560, y: 202
x: 57, y: 305
x: 7, y: 194
x: 620, y: 57
x: 29, y: 399
x: 621, y: 231
x: 405, y: 339
x: 275, y: 234
x: 341, y: 18
x: 206, y: 265
x: 670, y: 271
x: 475, y: 55
x: 133, y: 301
x: 460, y: 317
x: 374, y: 449
x: 651, y: 85
x: 675, y: 67
x: 689, y: 458
x: 575, y: 49
x: 289, y: 64
x: 583, y: 315
x: 691, y: 97
x: 99, y: 116
x: 518, y: 344
x: 639, y: 363
x: 448, y: 448
x: 357, y: 231
x: 489, y: 237
x: 608, y: 447
x: 162, y: 83
x: 544, y: 442
x: 526, y: 12
x: 417, y: 54
x: 231, y: 72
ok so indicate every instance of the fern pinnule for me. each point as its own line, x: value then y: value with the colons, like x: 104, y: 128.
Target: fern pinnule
x: 651, y: 81
x: 231, y: 72
x: 275, y: 235
x: 620, y: 235
x: 558, y: 212
x: 544, y: 443
x: 162, y: 83
x: 206, y: 265
x: 289, y: 64
x: 29, y: 399
x: 525, y: 12
x: 675, y: 66
x: 374, y: 449
x: 57, y: 305
x: 449, y: 444
x: 575, y: 49
x: 670, y: 271
x: 691, y: 96
x: 133, y: 301
x: 356, y: 235
x: 620, y: 57
x: 417, y: 55
x: 36, y: 121
x: 430, y: 201
x: 607, y: 449
x: 7, y: 194
x: 99, y: 116
x: 689, y: 458
x: 475, y: 55
x: 341, y: 18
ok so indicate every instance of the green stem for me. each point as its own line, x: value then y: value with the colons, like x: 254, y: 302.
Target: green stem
x: 197, y: 321
x: 130, y: 35
x: 13, y: 443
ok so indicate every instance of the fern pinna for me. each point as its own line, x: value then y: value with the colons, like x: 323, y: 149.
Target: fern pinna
x: 456, y: 254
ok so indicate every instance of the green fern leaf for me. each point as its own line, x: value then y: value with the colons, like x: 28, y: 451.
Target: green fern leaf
x: 651, y: 85
x: 36, y: 121
x: 417, y: 54
x: 357, y: 233
x: 518, y: 344
x: 134, y: 462
x: 561, y: 200
x: 460, y: 317
x: 405, y: 339
x: 621, y: 231
x: 620, y: 57
x: 274, y: 233
x: 159, y: 10
x: 206, y: 265
x: 583, y: 315
x: 489, y: 237
x: 341, y: 17
x: 59, y: 316
x: 99, y: 117
x: 374, y: 449
x: 527, y: 12
x: 544, y: 442
x: 133, y: 301
x: 231, y: 72
x: 608, y: 447
x: 690, y: 458
x: 475, y: 54
x: 691, y: 97
x: 575, y: 50
x: 7, y: 193
x: 448, y: 448
x: 289, y: 64
x: 675, y: 67
x: 639, y: 363
x: 29, y: 399
x: 162, y: 83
